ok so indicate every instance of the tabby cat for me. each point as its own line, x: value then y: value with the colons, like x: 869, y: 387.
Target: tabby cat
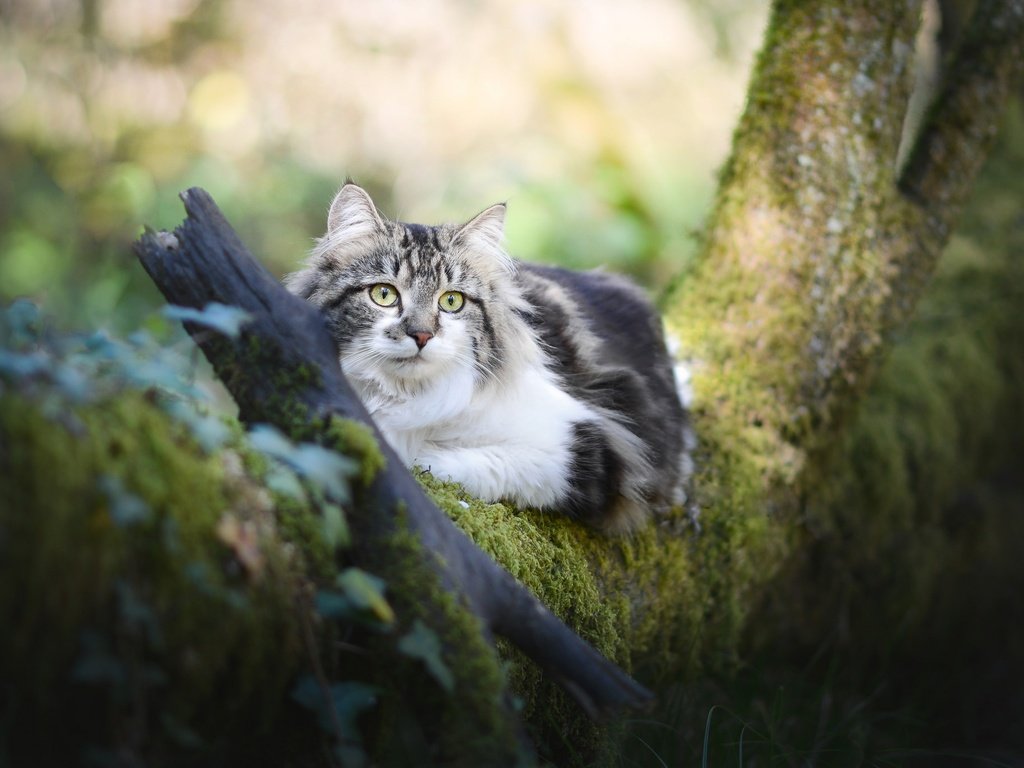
x: 542, y: 386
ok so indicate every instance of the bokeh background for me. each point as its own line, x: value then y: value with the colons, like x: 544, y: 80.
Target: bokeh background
x: 601, y: 123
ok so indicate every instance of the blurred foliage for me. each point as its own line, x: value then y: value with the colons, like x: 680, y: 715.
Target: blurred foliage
x: 594, y: 126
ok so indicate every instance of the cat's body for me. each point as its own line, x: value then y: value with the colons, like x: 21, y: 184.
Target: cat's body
x: 546, y: 387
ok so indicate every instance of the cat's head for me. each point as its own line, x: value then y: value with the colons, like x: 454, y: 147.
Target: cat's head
x: 409, y: 304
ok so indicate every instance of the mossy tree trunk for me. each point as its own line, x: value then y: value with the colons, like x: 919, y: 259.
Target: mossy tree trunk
x: 817, y: 252
x: 820, y: 246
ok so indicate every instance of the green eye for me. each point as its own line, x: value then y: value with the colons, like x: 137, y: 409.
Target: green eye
x: 384, y: 294
x: 451, y: 301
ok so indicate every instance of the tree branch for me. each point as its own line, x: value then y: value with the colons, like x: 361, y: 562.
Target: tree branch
x: 285, y: 359
x: 961, y: 126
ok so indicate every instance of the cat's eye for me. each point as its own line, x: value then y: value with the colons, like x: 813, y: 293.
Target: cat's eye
x: 451, y: 301
x: 384, y: 294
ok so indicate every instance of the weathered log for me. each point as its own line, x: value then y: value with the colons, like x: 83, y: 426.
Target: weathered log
x: 204, y: 261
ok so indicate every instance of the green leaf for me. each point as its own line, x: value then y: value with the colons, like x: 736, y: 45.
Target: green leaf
x: 73, y: 383
x: 137, y: 614
x: 23, y: 321
x: 282, y: 480
x: 180, y: 734
x: 307, y: 693
x: 271, y: 441
x: 209, y: 431
x: 326, y: 470
x: 95, y: 662
x: 347, y: 701
x: 18, y: 366
x: 422, y: 643
x: 215, y: 316
x: 335, y: 526
x: 366, y: 592
x: 125, y: 507
x: 332, y: 605
x: 350, y: 699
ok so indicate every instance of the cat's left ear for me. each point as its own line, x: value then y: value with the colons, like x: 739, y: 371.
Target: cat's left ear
x: 353, y: 214
x: 486, y: 228
x: 485, y: 234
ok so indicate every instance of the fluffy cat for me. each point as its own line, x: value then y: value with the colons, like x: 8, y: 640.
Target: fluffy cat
x: 542, y: 386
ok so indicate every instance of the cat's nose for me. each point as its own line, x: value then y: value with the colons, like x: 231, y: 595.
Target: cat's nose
x: 421, y: 337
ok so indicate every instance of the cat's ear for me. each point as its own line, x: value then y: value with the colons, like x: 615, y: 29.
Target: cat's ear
x: 353, y: 214
x: 486, y: 229
x: 484, y: 236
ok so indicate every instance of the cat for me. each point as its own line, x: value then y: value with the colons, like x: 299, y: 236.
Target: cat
x: 536, y: 385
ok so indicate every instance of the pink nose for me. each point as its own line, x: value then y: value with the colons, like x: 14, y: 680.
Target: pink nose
x: 421, y: 337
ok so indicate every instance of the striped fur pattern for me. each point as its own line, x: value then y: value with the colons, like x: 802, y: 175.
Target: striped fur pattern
x: 544, y: 387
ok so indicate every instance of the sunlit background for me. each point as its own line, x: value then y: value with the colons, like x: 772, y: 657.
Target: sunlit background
x: 601, y: 123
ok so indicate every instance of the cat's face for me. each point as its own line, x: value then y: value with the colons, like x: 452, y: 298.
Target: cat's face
x: 409, y: 304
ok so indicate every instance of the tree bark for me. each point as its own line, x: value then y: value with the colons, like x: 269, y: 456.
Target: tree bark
x: 818, y: 248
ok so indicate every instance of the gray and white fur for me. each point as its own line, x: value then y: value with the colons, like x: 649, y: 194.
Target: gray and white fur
x: 537, y: 385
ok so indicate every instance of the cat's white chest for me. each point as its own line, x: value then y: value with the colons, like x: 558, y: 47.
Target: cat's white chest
x: 511, y: 441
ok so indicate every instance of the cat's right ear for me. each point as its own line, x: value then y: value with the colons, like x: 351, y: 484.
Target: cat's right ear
x: 352, y: 215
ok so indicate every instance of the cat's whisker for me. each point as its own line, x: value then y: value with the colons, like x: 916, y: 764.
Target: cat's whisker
x: 466, y: 359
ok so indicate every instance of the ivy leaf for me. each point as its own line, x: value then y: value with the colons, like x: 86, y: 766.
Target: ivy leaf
x: 22, y: 366
x: 125, y: 507
x: 326, y: 470
x: 332, y: 605
x: 73, y: 383
x: 269, y: 440
x: 98, y: 668
x: 222, y: 318
x: 99, y: 345
x: 422, y: 643
x: 180, y: 734
x: 282, y: 480
x: 334, y: 524
x: 202, y: 578
x: 365, y: 591
x: 138, y: 614
x: 24, y: 322
x: 347, y: 702
x: 209, y: 431
x: 95, y: 663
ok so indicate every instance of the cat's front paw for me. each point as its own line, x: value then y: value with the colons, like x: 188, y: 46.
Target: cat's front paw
x: 436, y: 469
x: 496, y: 473
x: 473, y: 470
x: 442, y: 467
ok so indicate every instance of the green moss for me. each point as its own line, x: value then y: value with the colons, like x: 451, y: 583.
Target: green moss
x: 660, y: 603
x: 780, y: 315
x: 551, y: 556
x: 301, y: 525
x: 357, y: 441
x: 135, y: 611
x: 469, y: 726
x: 287, y: 379
x: 883, y: 503
x: 298, y: 522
